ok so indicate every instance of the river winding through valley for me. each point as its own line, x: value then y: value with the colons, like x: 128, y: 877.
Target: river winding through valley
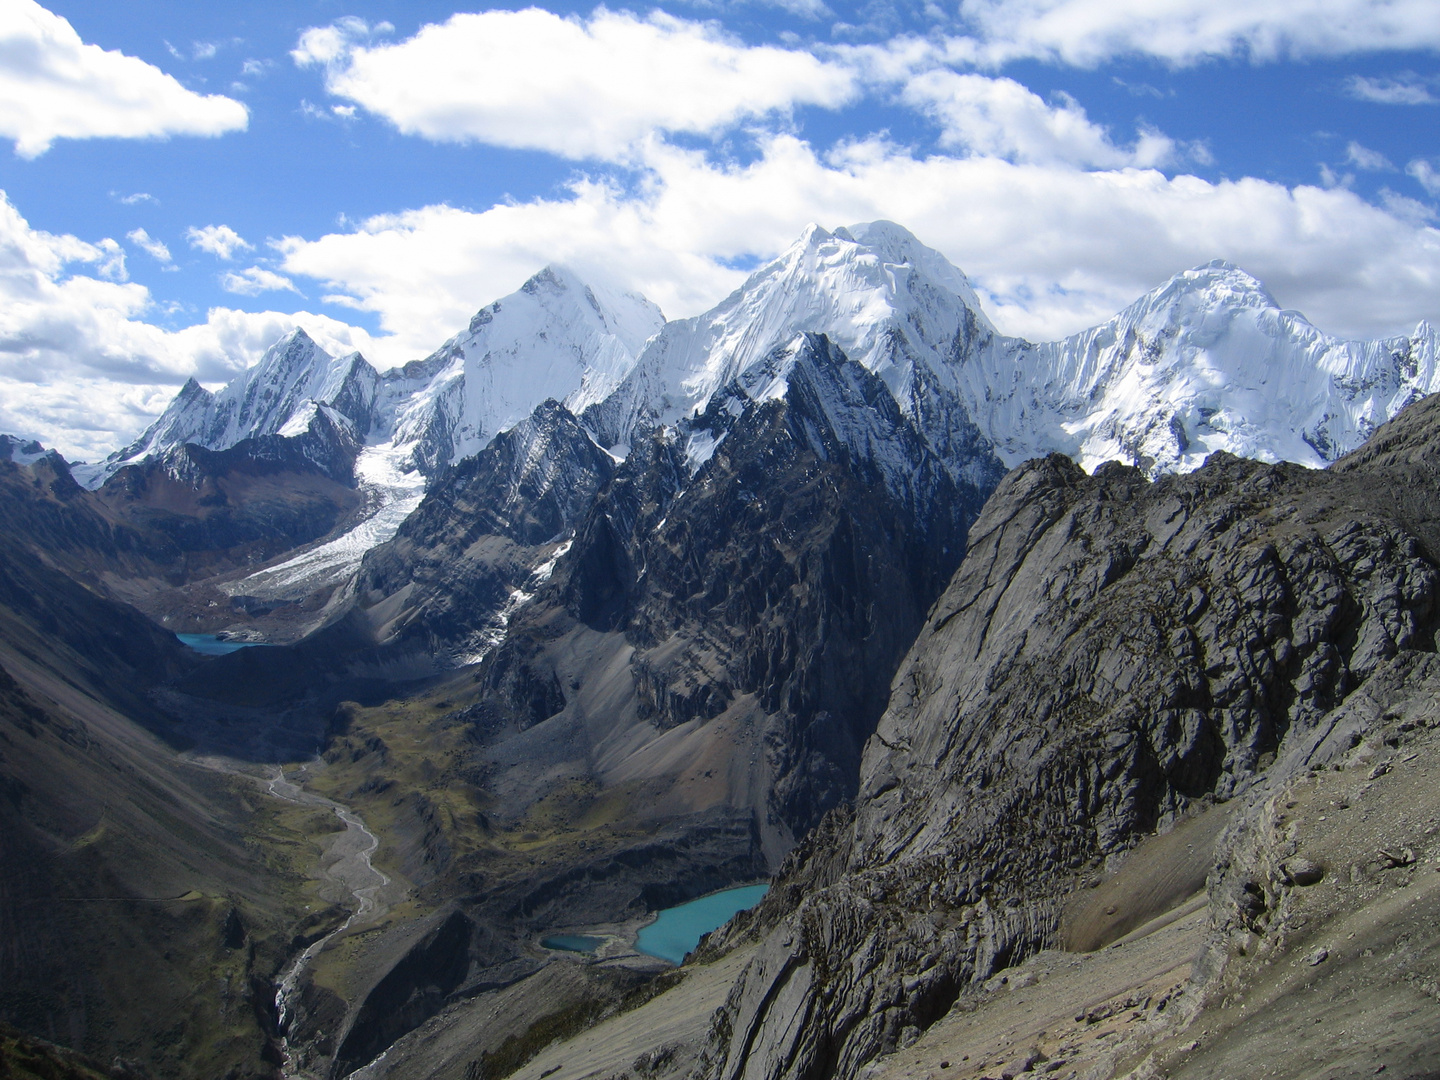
x: 351, y: 868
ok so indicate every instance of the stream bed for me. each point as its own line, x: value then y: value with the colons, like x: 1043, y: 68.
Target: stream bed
x: 350, y: 868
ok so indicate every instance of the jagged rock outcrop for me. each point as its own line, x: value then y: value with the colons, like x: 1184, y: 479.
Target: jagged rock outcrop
x: 1112, y: 654
x: 453, y: 571
x: 774, y: 556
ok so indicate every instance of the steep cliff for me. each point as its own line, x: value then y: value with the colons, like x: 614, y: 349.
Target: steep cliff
x: 767, y: 563
x: 1113, y: 655
x: 464, y: 559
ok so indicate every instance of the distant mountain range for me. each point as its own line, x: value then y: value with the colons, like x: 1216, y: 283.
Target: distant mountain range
x: 1208, y: 361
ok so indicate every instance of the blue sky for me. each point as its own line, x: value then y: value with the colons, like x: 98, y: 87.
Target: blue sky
x: 185, y: 182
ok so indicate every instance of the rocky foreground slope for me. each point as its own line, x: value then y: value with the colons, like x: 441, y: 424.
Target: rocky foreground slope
x: 1114, y: 656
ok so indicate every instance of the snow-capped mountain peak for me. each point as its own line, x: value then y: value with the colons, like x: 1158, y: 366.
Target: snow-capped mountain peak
x: 293, y: 372
x: 893, y: 305
x: 25, y: 451
x: 1207, y: 361
x: 277, y: 395
x: 558, y: 336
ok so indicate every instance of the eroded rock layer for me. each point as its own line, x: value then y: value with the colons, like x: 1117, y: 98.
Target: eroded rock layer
x: 1113, y: 655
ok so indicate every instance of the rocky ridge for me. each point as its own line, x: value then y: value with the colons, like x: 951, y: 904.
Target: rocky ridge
x: 779, y: 581
x: 1113, y: 656
x: 467, y: 554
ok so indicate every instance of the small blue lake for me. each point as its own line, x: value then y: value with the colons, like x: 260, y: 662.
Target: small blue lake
x: 211, y: 645
x: 677, y: 930
x: 581, y: 943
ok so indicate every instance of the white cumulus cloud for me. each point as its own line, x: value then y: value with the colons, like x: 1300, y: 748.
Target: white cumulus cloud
x: 1088, y: 32
x: 219, y: 240
x: 255, y: 280
x: 55, y: 86
x: 1406, y: 208
x: 1001, y: 118
x: 1405, y: 89
x: 156, y: 249
x: 591, y: 88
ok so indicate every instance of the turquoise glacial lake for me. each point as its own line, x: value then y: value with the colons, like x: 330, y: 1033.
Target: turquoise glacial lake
x: 211, y: 645
x: 581, y: 943
x: 677, y: 930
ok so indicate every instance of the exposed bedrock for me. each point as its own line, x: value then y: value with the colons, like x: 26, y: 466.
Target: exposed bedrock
x: 776, y: 556
x: 1112, y: 656
x: 479, y: 535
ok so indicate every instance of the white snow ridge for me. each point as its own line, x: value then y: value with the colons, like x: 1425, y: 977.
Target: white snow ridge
x: 1207, y: 361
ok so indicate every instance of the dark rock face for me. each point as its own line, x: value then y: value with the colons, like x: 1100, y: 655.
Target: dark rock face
x: 107, y: 647
x: 793, y: 566
x: 1111, y: 653
x: 481, y: 532
x: 267, y: 494
x: 101, y: 826
x: 187, y: 515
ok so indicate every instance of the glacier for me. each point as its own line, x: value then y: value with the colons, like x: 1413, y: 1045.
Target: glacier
x: 1206, y: 362
x: 556, y: 337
